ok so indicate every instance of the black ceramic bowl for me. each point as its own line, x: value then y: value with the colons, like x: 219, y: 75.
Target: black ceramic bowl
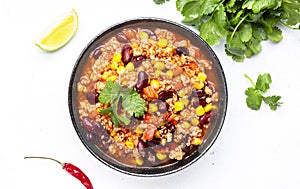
x: 211, y: 133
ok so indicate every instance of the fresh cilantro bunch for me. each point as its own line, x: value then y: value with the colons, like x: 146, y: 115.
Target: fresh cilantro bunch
x: 244, y: 23
x: 123, y: 102
x: 255, y: 94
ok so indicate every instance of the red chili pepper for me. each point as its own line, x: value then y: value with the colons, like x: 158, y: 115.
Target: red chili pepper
x: 71, y: 169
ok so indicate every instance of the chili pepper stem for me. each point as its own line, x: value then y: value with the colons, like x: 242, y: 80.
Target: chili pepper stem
x: 41, y: 157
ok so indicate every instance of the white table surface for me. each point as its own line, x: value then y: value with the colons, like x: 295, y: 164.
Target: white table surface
x: 255, y: 149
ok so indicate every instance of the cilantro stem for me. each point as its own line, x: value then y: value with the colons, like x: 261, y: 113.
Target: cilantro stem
x: 288, y: 26
x: 246, y: 76
x: 237, y: 26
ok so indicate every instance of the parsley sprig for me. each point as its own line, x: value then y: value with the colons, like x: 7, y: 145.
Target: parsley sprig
x: 244, y: 23
x: 124, y: 102
x: 255, y: 94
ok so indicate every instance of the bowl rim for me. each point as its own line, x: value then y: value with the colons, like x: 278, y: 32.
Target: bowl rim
x: 160, y: 170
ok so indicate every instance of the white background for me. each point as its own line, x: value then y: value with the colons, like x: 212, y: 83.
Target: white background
x: 255, y: 149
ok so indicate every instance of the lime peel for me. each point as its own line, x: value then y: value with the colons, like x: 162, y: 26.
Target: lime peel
x: 59, y: 33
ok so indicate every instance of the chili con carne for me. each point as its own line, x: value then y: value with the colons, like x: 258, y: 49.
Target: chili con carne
x: 71, y: 169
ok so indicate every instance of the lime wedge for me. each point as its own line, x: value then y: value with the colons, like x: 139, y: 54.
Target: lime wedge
x: 59, y: 33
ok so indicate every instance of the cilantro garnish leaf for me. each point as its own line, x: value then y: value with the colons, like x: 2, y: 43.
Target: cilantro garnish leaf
x: 109, y: 93
x: 263, y: 82
x: 272, y: 101
x: 255, y: 94
x: 134, y: 104
x: 131, y: 103
x: 254, y: 98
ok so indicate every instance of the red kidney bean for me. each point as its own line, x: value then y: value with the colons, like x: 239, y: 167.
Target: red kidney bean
x: 182, y: 50
x: 97, y: 52
x: 197, y: 102
x: 163, y: 107
x: 148, y: 31
x: 130, y: 33
x: 205, y: 118
x: 138, y: 60
x: 154, y: 142
x: 198, y: 93
x: 92, y: 97
x: 142, y: 81
x: 127, y: 53
x: 172, y: 128
x: 164, y: 95
x: 121, y: 37
x: 87, y: 124
x: 141, y: 146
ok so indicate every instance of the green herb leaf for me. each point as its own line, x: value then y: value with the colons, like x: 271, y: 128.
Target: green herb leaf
x: 114, y: 120
x: 105, y: 111
x: 109, y: 93
x: 160, y: 1
x: 291, y: 12
x: 263, y: 82
x: 275, y: 35
x: 272, y: 101
x: 259, y: 5
x: 214, y: 28
x: 254, y: 98
x: 245, y: 32
x: 134, y: 104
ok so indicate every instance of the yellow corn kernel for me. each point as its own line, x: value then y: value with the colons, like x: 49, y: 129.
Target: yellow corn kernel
x: 139, y: 161
x: 181, y: 93
x: 161, y: 156
x: 114, y: 65
x: 200, y: 111
x: 104, y: 76
x: 202, y: 76
x: 157, y: 73
x: 197, y: 141
x: 208, y: 107
x: 113, y: 133
x: 129, y: 144
x: 134, y: 45
x: 159, y: 65
x: 157, y: 134
x: 162, y: 42
x: 117, y: 57
x: 186, y: 124
x: 185, y: 101
x: 178, y: 106
x: 130, y: 66
x: 195, y: 121
x: 143, y: 35
x: 199, y: 85
x: 154, y: 84
x: 112, y: 78
x: 138, y: 130
x: 80, y: 88
x: 169, y: 48
x: 124, y: 82
x: 120, y: 70
x: 169, y: 74
x: 152, y: 108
